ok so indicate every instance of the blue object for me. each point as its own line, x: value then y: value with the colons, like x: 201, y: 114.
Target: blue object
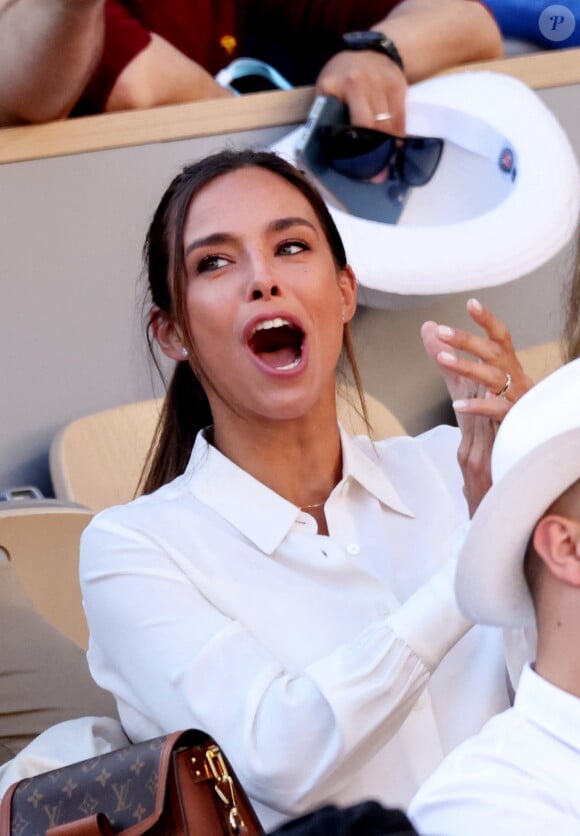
x: 250, y: 75
x: 551, y: 25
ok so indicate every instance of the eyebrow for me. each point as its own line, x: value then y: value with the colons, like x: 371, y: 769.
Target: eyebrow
x: 280, y: 224
x: 277, y: 225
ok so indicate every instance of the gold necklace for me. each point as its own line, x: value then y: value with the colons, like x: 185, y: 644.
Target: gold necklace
x: 316, y: 505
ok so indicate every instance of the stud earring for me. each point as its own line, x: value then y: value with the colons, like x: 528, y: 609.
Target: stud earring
x: 343, y: 316
x: 184, y: 352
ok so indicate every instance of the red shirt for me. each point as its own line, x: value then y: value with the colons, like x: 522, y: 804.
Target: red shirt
x: 210, y: 31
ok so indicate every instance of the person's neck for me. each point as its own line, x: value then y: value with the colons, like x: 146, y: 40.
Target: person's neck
x: 300, y: 459
x: 558, y: 653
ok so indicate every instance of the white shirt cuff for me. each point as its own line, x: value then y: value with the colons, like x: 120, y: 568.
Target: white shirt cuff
x: 430, y: 621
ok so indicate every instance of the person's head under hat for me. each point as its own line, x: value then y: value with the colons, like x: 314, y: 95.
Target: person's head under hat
x: 520, y: 563
x: 519, y: 567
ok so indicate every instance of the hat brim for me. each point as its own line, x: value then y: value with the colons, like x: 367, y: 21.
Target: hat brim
x: 490, y: 583
x: 527, y: 226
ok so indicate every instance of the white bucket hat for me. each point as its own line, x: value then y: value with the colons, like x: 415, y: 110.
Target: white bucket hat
x: 470, y: 226
x: 535, y: 458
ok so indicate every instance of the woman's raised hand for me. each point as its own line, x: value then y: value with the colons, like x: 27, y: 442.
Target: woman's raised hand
x: 493, y: 366
x: 482, y: 386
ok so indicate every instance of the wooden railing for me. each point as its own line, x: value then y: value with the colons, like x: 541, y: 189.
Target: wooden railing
x: 164, y: 124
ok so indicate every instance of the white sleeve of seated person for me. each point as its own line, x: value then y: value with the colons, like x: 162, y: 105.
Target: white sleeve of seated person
x: 167, y: 653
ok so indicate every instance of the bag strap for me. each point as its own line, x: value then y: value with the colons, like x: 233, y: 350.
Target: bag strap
x: 225, y: 789
x: 98, y: 825
x: 205, y: 765
x: 5, y: 809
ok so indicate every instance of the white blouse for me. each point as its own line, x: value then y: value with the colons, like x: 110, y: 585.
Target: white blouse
x: 330, y: 668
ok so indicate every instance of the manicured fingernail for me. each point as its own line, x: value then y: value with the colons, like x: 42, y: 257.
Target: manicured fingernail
x: 444, y: 331
x: 447, y: 357
x: 458, y: 406
x: 476, y: 305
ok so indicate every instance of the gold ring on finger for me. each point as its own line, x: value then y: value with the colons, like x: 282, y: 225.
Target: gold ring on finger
x: 505, y: 388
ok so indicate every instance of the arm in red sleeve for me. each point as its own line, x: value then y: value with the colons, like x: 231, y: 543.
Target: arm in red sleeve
x: 167, y: 56
x: 48, y: 49
x: 124, y: 39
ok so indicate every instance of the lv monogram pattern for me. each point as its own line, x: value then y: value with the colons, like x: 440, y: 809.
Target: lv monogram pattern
x: 122, y: 784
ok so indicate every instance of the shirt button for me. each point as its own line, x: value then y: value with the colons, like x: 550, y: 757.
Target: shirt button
x: 353, y: 549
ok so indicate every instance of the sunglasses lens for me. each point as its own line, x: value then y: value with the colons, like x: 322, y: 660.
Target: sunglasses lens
x: 419, y: 159
x: 359, y: 153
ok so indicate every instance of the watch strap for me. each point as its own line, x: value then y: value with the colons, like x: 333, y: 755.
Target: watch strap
x: 376, y: 42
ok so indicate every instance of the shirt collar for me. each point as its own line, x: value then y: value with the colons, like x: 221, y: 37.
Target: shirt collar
x: 259, y: 513
x: 364, y: 468
x: 547, y: 706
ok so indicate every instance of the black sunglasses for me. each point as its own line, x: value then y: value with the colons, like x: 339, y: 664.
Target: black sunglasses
x: 362, y: 153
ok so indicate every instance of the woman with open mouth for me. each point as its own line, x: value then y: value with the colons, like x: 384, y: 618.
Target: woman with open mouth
x: 280, y: 584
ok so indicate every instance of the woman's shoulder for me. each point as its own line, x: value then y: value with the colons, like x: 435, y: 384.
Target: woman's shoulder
x: 144, y: 511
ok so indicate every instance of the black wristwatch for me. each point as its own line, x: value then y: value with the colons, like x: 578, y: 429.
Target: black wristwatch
x: 375, y: 41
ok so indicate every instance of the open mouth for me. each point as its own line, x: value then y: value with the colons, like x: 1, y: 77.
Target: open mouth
x: 278, y: 343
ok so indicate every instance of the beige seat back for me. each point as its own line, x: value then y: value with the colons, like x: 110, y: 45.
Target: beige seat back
x: 539, y: 360
x: 41, y: 540
x: 97, y: 461
x: 383, y: 422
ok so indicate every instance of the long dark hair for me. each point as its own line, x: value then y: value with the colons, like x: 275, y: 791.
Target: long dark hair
x: 572, y: 325
x: 186, y: 408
